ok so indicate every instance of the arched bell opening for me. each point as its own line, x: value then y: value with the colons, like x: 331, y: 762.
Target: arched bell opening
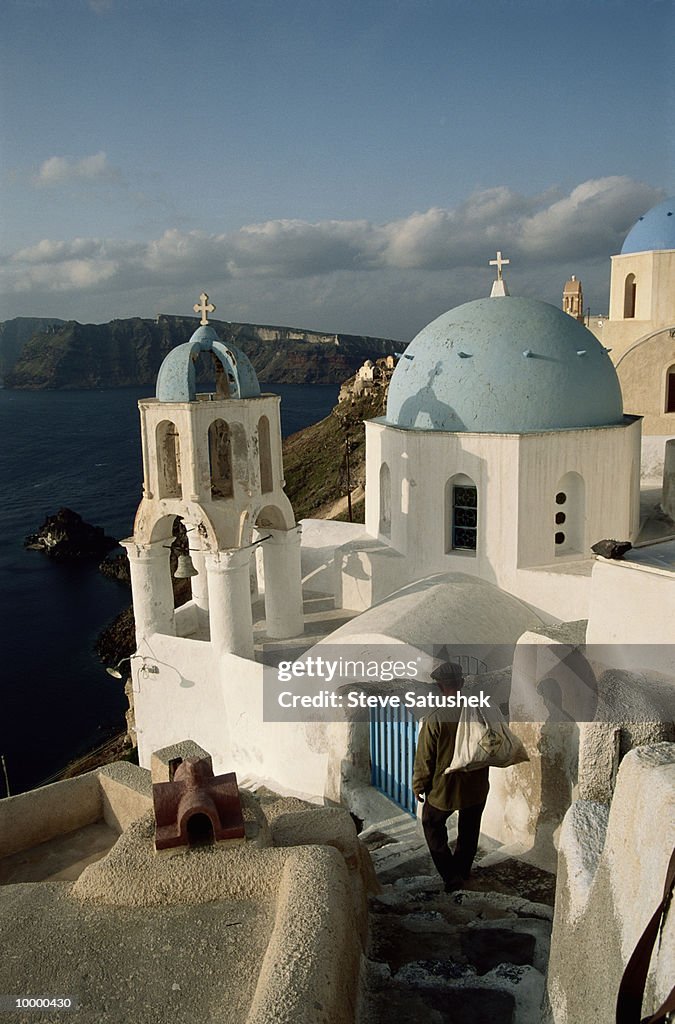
x: 213, y: 375
x: 172, y: 574
x: 220, y: 460
x: 265, y: 456
x: 168, y: 460
x: 190, y: 579
x: 256, y: 527
x: 271, y: 517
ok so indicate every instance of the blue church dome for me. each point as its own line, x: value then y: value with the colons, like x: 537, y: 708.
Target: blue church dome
x: 506, y: 365
x: 654, y: 230
x: 177, y: 378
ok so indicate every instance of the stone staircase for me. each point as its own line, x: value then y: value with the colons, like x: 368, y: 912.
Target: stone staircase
x: 478, y: 955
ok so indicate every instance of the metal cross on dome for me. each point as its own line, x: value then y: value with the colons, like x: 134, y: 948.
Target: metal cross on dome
x: 204, y: 307
x: 498, y: 263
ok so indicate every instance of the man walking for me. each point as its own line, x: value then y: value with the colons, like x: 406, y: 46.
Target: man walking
x: 442, y: 794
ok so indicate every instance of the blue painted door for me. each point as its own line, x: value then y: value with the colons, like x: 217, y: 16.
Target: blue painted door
x: 393, y: 735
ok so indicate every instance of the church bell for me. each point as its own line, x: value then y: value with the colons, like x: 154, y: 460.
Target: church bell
x: 185, y: 568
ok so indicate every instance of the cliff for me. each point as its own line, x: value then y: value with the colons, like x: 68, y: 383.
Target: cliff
x: 126, y: 353
x: 328, y: 458
x: 13, y: 337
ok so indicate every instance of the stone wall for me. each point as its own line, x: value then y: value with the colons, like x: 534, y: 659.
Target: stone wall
x: 611, y: 871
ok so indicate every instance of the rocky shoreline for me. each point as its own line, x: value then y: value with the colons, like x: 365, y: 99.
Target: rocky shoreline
x: 66, y: 536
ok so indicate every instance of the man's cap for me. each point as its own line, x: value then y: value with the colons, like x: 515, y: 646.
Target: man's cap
x: 448, y: 672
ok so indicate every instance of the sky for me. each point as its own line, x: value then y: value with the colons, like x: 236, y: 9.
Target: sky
x: 342, y: 165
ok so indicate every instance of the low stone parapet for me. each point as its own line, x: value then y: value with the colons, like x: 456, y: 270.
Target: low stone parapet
x: 611, y: 872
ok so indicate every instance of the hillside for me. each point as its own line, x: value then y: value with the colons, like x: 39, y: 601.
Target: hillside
x: 126, y: 353
x: 315, y: 459
x: 15, y: 333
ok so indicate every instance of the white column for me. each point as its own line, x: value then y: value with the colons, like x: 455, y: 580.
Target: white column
x: 230, y: 601
x: 147, y: 439
x: 283, y: 584
x: 200, y: 587
x: 151, y: 588
x: 189, y: 457
x: 199, y: 583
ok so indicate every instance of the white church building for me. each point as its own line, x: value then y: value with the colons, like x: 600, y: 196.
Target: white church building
x: 507, y: 451
x: 504, y: 455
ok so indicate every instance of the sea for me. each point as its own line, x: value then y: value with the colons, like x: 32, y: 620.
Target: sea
x: 81, y: 450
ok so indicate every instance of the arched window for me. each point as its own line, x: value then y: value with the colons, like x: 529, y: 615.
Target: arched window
x: 220, y: 460
x: 569, y: 516
x: 385, y: 500
x: 670, y: 390
x: 265, y: 455
x: 168, y: 460
x: 461, y: 514
x: 629, y: 293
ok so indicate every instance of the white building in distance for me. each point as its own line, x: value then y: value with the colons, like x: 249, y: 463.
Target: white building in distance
x: 640, y: 329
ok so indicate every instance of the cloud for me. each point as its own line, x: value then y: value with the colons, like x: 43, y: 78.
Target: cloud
x: 591, y: 220
x: 399, y: 271
x: 295, y: 248
x: 59, y: 170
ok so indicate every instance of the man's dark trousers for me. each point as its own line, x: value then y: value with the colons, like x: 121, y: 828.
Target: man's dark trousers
x: 458, y: 865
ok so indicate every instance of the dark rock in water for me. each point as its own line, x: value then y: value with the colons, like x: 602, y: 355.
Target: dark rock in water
x: 117, y: 568
x: 66, y: 536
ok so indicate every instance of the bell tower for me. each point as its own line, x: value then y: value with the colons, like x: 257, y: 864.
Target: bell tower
x: 573, y: 299
x: 214, y: 460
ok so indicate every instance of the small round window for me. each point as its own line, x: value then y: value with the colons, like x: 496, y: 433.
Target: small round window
x: 560, y: 517
x: 560, y: 498
x: 560, y: 538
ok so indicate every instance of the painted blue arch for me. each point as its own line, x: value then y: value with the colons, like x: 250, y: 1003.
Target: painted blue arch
x: 177, y: 379
x: 654, y: 230
x: 504, y: 365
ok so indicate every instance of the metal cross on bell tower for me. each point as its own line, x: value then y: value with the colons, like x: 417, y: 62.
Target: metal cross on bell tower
x: 204, y: 307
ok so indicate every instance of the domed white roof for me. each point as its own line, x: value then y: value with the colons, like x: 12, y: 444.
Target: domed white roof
x: 504, y: 365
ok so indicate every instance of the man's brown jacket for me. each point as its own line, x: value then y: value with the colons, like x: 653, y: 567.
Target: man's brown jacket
x: 435, y: 747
